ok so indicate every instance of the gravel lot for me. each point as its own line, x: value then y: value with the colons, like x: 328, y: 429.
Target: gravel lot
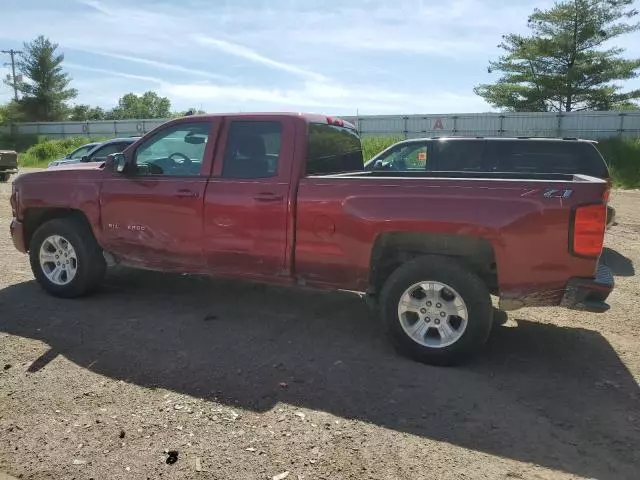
x: 250, y: 382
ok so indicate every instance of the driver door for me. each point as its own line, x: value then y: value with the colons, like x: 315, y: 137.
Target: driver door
x: 152, y: 216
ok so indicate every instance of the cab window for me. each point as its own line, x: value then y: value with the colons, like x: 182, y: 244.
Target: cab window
x: 174, y: 151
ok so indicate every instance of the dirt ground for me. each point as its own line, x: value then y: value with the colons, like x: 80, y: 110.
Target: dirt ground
x: 250, y: 382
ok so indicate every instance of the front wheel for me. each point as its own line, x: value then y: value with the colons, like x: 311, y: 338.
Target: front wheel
x: 65, y: 258
x: 436, y: 310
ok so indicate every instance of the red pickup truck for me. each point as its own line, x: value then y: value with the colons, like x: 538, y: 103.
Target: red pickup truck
x: 284, y: 199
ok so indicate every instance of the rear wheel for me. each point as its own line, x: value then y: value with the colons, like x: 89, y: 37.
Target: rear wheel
x: 436, y: 310
x: 65, y: 258
x: 4, y: 177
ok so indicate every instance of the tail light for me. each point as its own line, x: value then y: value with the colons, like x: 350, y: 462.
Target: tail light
x: 589, y: 224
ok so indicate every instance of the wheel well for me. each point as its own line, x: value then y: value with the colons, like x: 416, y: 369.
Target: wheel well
x: 393, y: 249
x: 34, y: 217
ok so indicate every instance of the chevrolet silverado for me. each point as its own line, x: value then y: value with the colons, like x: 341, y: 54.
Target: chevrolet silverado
x: 285, y: 199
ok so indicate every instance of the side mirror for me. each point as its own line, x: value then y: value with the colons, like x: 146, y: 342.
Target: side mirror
x: 119, y: 162
x: 84, y: 158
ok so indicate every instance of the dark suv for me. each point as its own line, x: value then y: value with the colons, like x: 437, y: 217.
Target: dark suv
x: 485, y: 154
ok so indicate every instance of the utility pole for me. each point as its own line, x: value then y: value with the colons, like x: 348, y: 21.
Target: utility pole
x: 12, y: 53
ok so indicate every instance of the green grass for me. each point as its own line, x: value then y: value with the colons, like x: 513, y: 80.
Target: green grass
x: 40, y: 154
x: 374, y: 145
x: 623, y: 157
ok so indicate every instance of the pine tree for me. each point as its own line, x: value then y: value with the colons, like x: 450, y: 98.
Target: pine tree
x: 567, y: 63
x: 45, y: 87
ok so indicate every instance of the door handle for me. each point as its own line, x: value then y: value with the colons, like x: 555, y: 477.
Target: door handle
x: 268, y: 197
x: 186, y: 193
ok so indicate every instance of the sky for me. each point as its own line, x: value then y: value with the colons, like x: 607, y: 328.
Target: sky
x: 334, y: 57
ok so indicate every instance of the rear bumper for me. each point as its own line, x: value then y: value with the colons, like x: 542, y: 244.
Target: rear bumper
x: 589, y: 294
x: 17, y: 234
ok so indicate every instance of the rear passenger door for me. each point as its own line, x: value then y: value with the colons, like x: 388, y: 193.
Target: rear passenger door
x: 247, y: 207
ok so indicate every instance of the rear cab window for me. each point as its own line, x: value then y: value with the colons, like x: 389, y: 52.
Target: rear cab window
x: 333, y: 149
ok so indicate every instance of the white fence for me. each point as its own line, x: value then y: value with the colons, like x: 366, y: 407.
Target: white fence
x: 591, y: 125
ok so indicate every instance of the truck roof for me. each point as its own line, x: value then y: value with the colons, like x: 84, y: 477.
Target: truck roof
x: 308, y: 117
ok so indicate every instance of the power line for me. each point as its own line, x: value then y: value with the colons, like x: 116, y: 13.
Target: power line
x: 12, y: 53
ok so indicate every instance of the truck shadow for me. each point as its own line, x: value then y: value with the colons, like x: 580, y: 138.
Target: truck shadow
x: 557, y: 397
x: 620, y: 265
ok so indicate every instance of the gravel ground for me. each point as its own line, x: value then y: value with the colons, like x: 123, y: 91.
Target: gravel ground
x: 251, y: 382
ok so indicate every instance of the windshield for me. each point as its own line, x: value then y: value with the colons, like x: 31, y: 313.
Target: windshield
x: 333, y: 149
x: 80, y: 152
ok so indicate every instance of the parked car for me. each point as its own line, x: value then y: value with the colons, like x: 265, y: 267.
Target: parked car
x: 98, y: 152
x: 284, y: 199
x: 8, y: 164
x: 497, y: 154
x: 74, y: 155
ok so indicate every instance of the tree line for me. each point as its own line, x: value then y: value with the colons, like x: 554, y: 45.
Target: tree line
x: 567, y: 63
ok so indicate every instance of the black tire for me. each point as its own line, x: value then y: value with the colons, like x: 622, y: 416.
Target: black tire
x: 4, y: 177
x: 467, y: 284
x: 91, y: 266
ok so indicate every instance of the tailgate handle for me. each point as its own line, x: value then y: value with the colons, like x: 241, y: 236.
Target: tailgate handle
x: 268, y: 197
x: 186, y: 193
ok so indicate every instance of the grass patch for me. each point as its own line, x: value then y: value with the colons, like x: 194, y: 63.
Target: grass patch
x: 374, y: 145
x: 623, y: 157
x: 40, y: 154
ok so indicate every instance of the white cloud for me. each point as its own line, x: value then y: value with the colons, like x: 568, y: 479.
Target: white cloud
x: 163, y: 65
x: 253, y: 56
x: 320, y: 97
x: 74, y: 66
x: 96, y: 5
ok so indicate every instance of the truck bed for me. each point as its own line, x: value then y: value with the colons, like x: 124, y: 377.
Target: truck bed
x: 520, y: 221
